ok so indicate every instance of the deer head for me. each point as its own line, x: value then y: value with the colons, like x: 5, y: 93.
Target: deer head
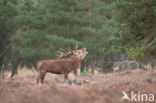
x: 80, y: 53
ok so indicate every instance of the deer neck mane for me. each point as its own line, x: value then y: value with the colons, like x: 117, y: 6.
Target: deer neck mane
x: 75, y: 60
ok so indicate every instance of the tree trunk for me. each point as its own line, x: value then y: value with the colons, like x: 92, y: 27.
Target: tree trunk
x: 15, y: 66
x: 108, y: 63
x: 89, y: 14
x: 1, y: 65
x: 3, y: 54
x: 82, y: 66
x: 93, y: 67
x: 5, y: 51
x: 87, y: 65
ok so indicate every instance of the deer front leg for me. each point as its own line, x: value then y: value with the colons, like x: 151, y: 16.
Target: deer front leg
x: 65, y: 76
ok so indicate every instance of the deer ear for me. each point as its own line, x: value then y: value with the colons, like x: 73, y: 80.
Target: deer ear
x: 76, y: 47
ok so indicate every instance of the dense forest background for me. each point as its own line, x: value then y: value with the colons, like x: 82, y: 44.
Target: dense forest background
x: 33, y: 30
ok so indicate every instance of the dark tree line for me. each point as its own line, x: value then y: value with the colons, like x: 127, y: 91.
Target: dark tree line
x: 34, y: 30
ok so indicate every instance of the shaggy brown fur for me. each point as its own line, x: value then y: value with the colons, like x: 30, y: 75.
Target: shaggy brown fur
x: 61, y: 66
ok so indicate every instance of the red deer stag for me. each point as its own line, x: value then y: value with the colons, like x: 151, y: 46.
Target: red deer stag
x: 61, y: 66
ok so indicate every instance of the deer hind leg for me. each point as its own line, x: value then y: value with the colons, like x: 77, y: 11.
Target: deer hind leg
x: 41, y: 77
x: 65, y: 76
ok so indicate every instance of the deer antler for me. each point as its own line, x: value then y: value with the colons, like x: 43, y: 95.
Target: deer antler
x: 64, y: 53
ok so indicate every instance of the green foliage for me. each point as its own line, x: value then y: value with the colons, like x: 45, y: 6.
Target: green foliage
x: 50, y: 25
x: 84, y: 73
x: 7, y: 25
x: 99, y: 41
x: 136, y: 28
x: 45, y: 26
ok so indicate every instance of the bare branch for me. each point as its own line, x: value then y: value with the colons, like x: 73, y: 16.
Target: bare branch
x: 10, y: 44
x: 5, y: 51
x: 151, y: 43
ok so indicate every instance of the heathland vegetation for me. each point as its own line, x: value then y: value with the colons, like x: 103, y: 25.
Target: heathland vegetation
x: 112, y: 34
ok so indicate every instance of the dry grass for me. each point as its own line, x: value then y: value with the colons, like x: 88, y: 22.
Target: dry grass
x: 26, y: 72
x: 98, y: 88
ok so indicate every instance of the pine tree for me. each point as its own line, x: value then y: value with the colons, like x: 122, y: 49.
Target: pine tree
x: 136, y: 33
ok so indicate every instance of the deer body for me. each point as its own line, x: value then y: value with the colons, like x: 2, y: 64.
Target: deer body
x: 60, y: 66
